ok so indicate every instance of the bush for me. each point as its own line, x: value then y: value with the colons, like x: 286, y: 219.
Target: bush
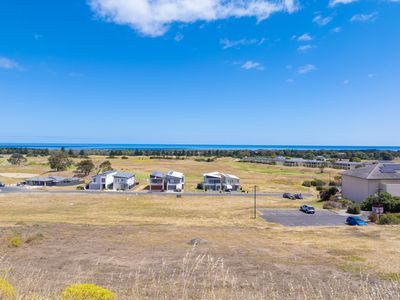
x: 387, y: 219
x: 80, y: 188
x: 7, y: 291
x: 326, y: 194
x: 87, y: 292
x: 307, y: 183
x: 318, y: 183
x: 333, y: 183
x: 373, y: 217
x: 16, y: 241
x: 354, y: 209
x: 332, y: 205
x: 124, y: 157
x: 390, y: 203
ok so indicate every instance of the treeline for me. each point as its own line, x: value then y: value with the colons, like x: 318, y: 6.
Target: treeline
x: 306, y: 154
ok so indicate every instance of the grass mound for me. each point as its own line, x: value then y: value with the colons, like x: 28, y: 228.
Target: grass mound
x: 7, y: 291
x: 87, y: 292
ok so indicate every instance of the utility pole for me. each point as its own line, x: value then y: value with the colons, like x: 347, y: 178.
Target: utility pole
x: 255, y: 202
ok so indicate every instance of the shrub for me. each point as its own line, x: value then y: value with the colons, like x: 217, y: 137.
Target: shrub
x: 318, y: 183
x: 390, y: 203
x: 87, y: 292
x: 307, y: 183
x: 80, y: 188
x: 373, y: 217
x: 7, y: 291
x: 326, y: 194
x: 387, y: 219
x: 124, y: 157
x: 354, y: 209
x: 333, y: 183
x: 16, y: 241
x: 332, y: 205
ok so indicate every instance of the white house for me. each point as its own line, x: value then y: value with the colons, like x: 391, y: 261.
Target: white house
x: 103, y: 181
x: 175, y: 181
x: 123, y: 181
x: 358, y: 184
x: 217, y: 181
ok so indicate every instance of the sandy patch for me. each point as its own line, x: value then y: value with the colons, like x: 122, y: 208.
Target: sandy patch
x: 17, y: 175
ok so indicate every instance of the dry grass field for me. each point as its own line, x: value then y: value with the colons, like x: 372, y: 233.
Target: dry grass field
x: 138, y: 246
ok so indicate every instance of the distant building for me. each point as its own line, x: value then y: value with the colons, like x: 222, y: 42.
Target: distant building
x: 53, y: 181
x: 358, y: 184
x: 123, y: 181
x: 347, y: 165
x: 175, y: 181
x: 217, y: 181
x: 103, y: 181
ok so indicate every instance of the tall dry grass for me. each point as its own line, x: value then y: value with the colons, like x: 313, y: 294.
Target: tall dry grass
x: 205, y: 277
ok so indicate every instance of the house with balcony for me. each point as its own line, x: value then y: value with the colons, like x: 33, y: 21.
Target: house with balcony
x: 103, y: 181
x: 217, y: 181
x: 123, y: 181
x: 157, y: 181
x: 175, y: 181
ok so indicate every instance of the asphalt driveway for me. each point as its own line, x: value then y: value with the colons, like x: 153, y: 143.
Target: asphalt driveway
x: 293, y: 217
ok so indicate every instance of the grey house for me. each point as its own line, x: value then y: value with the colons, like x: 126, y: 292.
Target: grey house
x: 123, y: 181
x: 358, y: 184
x: 53, y: 181
x: 157, y: 181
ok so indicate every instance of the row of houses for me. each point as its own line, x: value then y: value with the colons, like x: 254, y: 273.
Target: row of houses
x: 172, y: 181
x: 319, y: 162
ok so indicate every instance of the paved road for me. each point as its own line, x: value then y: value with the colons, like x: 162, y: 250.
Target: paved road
x: 12, y: 189
x: 293, y: 217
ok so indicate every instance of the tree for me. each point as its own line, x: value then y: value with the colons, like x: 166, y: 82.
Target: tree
x: 17, y: 159
x: 105, y: 166
x: 85, y: 166
x: 59, y: 161
x: 326, y: 194
x: 390, y: 203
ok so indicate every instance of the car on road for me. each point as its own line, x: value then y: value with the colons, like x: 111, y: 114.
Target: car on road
x: 2, y: 184
x: 288, y: 196
x: 355, y: 221
x: 298, y: 196
x: 308, y: 209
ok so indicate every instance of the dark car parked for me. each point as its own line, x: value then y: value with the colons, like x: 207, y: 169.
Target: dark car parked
x: 299, y: 196
x: 2, y: 184
x: 308, y: 209
x: 288, y: 196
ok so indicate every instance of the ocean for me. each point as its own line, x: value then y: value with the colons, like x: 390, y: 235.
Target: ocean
x: 188, y: 147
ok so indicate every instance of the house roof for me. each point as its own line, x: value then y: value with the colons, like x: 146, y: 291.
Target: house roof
x: 213, y: 174
x: 41, y: 179
x: 157, y: 174
x: 231, y: 176
x: 377, y: 171
x: 105, y: 173
x: 124, y: 175
x: 175, y: 174
x: 340, y: 162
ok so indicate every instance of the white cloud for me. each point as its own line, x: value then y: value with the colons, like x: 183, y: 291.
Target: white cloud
x: 322, y: 21
x: 289, y: 80
x: 333, y: 3
x: 346, y: 82
x: 372, y: 75
x: 306, y: 69
x: 153, y: 17
x: 336, y: 29
x: 226, y: 43
x: 252, y: 65
x: 305, y: 48
x: 364, y: 17
x: 304, y: 38
x: 9, y: 64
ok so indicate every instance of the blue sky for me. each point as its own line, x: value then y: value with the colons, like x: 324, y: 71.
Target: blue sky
x: 212, y: 71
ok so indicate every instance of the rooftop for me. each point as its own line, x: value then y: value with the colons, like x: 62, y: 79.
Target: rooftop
x: 124, y: 175
x: 377, y: 171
